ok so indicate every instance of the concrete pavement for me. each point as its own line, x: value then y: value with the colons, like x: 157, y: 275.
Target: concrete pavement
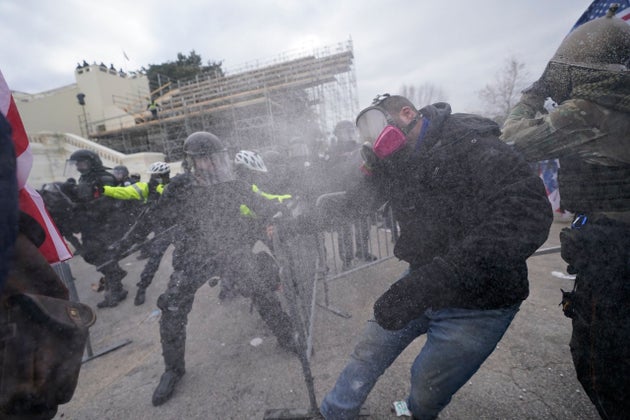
x: 529, y: 376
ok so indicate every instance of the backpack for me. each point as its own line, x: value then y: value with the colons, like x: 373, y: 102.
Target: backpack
x: 42, y: 337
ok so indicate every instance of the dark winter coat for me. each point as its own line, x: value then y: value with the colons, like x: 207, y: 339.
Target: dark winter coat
x: 210, y: 220
x: 470, y: 209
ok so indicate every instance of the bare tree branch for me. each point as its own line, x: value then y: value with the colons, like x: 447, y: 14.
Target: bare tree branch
x: 500, y: 96
x: 424, y: 94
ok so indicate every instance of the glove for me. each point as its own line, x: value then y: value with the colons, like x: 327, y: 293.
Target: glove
x: 152, y: 186
x: 400, y: 304
x: 573, y: 250
x: 430, y: 286
x: 370, y: 160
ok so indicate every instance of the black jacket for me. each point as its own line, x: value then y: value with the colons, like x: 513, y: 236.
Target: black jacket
x: 470, y: 209
x: 205, y: 221
x: 98, y: 217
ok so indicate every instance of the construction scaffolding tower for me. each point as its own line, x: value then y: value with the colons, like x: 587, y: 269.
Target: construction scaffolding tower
x: 299, y: 95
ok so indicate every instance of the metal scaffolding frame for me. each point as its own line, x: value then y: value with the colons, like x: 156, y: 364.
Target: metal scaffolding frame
x: 299, y: 94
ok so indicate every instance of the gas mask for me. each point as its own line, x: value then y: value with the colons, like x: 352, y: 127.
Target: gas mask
x: 377, y: 127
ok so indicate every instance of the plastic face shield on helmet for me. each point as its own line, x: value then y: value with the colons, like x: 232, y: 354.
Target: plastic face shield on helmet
x: 76, y: 168
x: 379, y: 129
x: 213, y: 168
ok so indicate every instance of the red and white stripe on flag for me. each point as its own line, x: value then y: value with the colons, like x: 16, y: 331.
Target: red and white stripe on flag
x: 54, y: 248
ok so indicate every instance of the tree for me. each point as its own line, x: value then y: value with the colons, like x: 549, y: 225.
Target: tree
x: 424, y: 94
x: 185, y: 67
x: 500, y: 96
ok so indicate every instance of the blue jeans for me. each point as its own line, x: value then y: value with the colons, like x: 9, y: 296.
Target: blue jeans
x: 458, y: 342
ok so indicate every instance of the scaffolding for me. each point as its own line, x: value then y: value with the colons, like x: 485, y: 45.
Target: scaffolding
x: 301, y: 94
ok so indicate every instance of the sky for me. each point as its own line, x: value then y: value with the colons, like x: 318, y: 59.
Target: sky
x: 458, y: 46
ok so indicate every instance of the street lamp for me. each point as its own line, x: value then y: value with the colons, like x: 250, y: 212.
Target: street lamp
x: 81, y: 99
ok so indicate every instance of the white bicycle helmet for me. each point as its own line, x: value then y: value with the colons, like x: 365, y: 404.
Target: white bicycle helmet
x: 159, y: 168
x: 251, y: 160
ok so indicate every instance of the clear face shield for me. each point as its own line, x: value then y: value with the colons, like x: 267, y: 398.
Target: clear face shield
x: 379, y: 129
x: 76, y: 168
x: 213, y: 169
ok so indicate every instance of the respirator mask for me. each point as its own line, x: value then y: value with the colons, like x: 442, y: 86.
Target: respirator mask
x: 378, y: 128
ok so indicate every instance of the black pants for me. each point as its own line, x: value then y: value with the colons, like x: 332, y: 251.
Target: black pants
x: 156, y: 251
x: 600, y: 313
x: 176, y: 302
x: 94, y: 252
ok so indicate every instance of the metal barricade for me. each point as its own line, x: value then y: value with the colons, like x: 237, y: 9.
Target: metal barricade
x: 306, y: 260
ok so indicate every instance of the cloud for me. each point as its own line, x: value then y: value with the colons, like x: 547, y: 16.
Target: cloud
x: 457, y: 46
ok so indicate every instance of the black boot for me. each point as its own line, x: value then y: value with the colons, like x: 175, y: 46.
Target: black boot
x: 114, y: 292
x: 112, y: 298
x: 277, y: 320
x: 166, y: 387
x: 173, y: 353
x: 140, y: 296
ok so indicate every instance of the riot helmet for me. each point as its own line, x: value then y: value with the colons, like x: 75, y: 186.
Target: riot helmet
x: 208, y: 159
x: 84, y: 161
x: 121, y: 173
x: 602, y: 43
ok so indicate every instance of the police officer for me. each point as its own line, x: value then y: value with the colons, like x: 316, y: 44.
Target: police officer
x: 217, y: 219
x: 589, y: 77
x: 121, y: 173
x: 99, y: 223
x: 147, y: 193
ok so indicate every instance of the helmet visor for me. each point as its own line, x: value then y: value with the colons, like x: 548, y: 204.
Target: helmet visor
x: 214, y: 168
x: 75, y: 168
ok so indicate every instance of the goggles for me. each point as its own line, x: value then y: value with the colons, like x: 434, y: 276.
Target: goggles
x: 378, y: 128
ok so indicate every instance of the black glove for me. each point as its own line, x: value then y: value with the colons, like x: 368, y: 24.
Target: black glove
x: 370, y: 160
x: 429, y: 286
x: 152, y: 185
x: 399, y: 305
x: 573, y: 249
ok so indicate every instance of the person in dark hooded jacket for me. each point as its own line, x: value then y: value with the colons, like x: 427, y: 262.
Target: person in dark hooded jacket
x: 471, y: 211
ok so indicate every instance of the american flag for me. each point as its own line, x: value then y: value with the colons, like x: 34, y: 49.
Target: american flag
x: 599, y: 8
x: 54, y: 248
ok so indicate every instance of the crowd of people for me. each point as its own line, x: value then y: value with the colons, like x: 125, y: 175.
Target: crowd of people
x: 468, y: 206
x: 114, y: 216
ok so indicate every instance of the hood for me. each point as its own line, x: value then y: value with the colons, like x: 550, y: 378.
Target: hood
x: 446, y: 128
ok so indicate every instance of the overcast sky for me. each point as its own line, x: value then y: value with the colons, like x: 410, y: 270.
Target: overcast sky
x: 458, y: 45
